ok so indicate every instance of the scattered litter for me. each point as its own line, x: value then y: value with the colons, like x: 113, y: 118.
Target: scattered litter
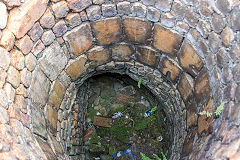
x: 126, y: 116
x: 117, y: 115
x: 98, y: 114
x: 150, y: 112
x: 124, y: 153
x: 160, y: 138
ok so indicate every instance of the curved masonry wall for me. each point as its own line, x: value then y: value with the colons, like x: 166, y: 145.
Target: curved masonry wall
x: 48, y: 48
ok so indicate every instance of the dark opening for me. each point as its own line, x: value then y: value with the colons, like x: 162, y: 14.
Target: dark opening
x: 120, y: 116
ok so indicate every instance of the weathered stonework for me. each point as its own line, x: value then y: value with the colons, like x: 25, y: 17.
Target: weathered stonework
x: 32, y: 10
x: 137, y: 30
x: 49, y: 63
x: 79, y: 39
x: 76, y: 68
x: 147, y: 55
x: 56, y: 94
x: 122, y: 52
x: 171, y: 67
x: 108, y: 30
x: 98, y: 55
x: 39, y: 87
x: 189, y: 59
x: 166, y: 40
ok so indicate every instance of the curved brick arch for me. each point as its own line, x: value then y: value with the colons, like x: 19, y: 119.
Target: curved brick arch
x: 192, y: 42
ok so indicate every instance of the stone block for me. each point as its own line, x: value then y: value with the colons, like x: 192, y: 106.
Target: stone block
x: 26, y: 77
x: 22, y: 19
x: 188, y: 142
x: 235, y: 18
x: 137, y: 30
x: 122, y: 52
x: 139, y: 10
x: 192, y: 115
x: 235, y: 52
x: 46, y: 148
x: 202, y: 88
x: 178, y: 10
x: 214, y: 42
x: 36, y: 32
x: 20, y: 103
x: 153, y: 14
x: 48, y: 37
x: 166, y: 40
x: 7, y: 40
x: 78, y: 5
x: 60, y: 9
x: 76, y: 68
x: 64, y: 79
x: 37, y: 48
x: 24, y: 44
x: 47, y: 20
x: 4, y: 117
x: 163, y: 5
x: 3, y: 76
x: 169, y: 66
x: 10, y: 92
x: 227, y: 36
x: 205, y: 8
x: 60, y: 28
x: 17, y: 59
x: 53, y: 61
x: 3, y: 15
x: 189, y: 58
x: 225, y: 6
x: 39, y: 87
x: 148, y: 2
x: 73, y: 19
x: 168, y: 20
x: 236, y: 72
x: 182, y: 27
x: 88, y: 134
x: 93, y: 12
x: 83, y: 16
x: 109, y: 10
x: 204, y: 28
x: 108, y: 30
x: 204, y: 122
x: 51, y: 118
x: 12, y: 3
x: 191, y: 17
x: 56, y: 94
x: 4, y: 59
x: 124, y: 8
x: 218, y: 22
x: 30, y: 62
x: 186, y: 87
x: 38, y: 121
x: 13, y: 77
x: 4, y: 99
x: 147, y: 55
x: 102, y: 121
x: 79, y: 39
x: 98, y: 55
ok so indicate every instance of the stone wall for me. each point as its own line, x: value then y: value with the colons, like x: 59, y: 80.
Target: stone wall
x: 48, y: 48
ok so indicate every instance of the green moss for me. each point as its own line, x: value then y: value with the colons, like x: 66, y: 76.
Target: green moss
x: 94, y: 139
x: 91, y: 113
x: 140, y: 124
x: 121, y: 133
x: 103, y: 132
x: 112, y: 149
